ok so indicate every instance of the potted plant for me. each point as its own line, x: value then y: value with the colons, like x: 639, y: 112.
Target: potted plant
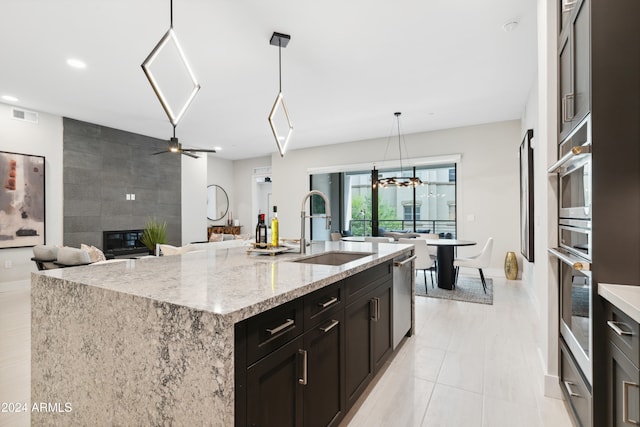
x: 155, y: 232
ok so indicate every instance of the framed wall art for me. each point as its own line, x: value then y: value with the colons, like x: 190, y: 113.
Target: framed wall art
x: 22, y: 208
x: 526, y: 196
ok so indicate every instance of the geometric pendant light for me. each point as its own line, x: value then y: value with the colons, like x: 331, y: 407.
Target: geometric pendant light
x: 169, y: 44
x: 283, y: 130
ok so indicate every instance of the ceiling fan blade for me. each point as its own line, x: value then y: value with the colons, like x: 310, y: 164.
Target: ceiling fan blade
x: 159, y: 152
x: 186, y: 153
x: 198, y: 150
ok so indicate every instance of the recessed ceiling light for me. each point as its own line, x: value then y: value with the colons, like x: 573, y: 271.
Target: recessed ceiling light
x: 9, y: 98
x: 76, y: 63
x: 510, y: 26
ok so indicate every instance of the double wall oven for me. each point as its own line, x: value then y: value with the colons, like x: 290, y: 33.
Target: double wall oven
x: 574, y: 251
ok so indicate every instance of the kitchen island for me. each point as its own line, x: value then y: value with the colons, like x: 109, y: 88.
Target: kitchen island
x: 151, y: 341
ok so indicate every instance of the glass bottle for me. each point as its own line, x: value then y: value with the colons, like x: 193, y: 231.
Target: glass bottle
x: 261, y: 232
x: 275, y: 238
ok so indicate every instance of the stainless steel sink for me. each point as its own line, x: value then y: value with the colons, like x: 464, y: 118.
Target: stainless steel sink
x: 333, y: 258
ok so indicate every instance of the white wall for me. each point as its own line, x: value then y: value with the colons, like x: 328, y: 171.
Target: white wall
x: 488, y: 186
x: 42, y: 139
x: 220, y: 172
x: 545, y: 273
x: 194, y: 199
x: 243, y: 171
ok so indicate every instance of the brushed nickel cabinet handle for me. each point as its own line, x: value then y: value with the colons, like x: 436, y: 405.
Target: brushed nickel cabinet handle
x: 566, y: 102
x: 372, y: 309
x: 572, y: 393
x: 303, y: 380
x: 326, y: 304
x: 285, y: 325
x: 625, y: 405
x: 405, y: 261
x: 333, y: 324
x: 614, y: 325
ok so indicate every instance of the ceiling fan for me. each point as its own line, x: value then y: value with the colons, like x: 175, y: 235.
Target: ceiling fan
x: 176, y: 147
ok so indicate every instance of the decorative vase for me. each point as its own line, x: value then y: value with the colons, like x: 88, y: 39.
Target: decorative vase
x: 511, y: 266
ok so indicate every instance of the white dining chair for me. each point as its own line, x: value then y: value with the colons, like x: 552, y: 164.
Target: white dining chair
x: 423, y: 261
x: 433, y: 251
x: 336, y: 237
x: 479, y: 261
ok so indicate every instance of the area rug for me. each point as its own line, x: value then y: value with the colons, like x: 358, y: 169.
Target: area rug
x: 468, y: 289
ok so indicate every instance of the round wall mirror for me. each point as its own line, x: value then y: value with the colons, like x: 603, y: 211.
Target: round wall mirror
x: 217, y: 202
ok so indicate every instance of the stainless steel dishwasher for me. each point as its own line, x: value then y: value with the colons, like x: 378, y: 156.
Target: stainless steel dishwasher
x: 403, y: 276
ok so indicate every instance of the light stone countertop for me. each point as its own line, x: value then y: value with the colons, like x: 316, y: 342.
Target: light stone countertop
x: 625, y: 297
x: 227, y: 282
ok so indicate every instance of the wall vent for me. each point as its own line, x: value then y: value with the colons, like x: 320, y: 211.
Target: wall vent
x: 24, y: 115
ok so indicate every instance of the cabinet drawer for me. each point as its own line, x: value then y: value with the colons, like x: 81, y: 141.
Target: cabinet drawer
x: 319, y: 305
x: 574, y: 388
x: 623, y: 389
x: 269, y: 330
x: 623, y: 331
x: 363, y: 282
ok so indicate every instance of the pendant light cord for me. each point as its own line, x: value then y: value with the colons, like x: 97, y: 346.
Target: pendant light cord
x: 279, y: 62
x: 171, y: 14
x: 399, y: 142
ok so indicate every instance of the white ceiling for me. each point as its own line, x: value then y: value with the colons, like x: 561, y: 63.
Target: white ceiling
x: 350, y: 64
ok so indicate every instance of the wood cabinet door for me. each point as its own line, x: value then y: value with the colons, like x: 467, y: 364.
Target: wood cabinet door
x: 382, y: 345
x: 358, y: 335
x: 624, y: 392
x: 324, y: 397
x: 581, y: 46
x: 274, y: 393
x: 565, y: 86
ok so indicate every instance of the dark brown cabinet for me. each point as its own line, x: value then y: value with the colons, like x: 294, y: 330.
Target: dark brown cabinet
x: 369, y: 334
x: 274, y: 394
x: 324, y: 399
x: 575, y: 388
x: 574, y: 67
x: 623, y: 356
x: 598, y: 77
x: 305, y: 362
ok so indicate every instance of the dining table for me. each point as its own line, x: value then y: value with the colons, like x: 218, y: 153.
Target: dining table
x: 445, y: 257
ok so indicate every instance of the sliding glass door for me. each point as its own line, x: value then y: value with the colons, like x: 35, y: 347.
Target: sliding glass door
x: 429, y: 208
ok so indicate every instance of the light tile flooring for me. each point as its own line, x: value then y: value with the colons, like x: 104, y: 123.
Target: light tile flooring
x: 467, y: 365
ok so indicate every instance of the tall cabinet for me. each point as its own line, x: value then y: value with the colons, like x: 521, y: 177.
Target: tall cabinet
x: 599, y: 76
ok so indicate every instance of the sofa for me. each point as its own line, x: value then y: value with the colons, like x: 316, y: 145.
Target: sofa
x: 49, y: 257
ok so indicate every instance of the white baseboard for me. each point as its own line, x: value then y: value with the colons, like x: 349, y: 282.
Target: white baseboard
x: 552, y: 387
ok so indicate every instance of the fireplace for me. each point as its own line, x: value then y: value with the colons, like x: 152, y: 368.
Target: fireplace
x: 122, y: 243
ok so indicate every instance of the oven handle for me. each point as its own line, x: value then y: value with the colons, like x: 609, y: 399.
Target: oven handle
x: 575, y: 152
x: 575, y: 263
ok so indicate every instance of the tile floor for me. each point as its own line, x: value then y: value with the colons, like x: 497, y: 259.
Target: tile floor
x: 467, y: 365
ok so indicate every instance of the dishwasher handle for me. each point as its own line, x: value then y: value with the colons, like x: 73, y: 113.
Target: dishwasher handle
x: 404, y: 261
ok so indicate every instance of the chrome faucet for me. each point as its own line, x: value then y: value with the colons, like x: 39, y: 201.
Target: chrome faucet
x: 303, y: 216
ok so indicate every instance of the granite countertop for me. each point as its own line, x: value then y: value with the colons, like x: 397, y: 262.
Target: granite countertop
x: 625, y: 297
x: 227, y: 282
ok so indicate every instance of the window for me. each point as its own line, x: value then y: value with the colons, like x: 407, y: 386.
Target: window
x: 430, y: 208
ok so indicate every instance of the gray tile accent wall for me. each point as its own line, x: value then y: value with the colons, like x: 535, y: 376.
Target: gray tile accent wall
x: 101, y: 166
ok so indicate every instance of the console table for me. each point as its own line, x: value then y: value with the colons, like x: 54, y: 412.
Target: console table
x: 223, y: 229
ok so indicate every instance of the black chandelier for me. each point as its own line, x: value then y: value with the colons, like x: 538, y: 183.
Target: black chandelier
x: 397, y: 181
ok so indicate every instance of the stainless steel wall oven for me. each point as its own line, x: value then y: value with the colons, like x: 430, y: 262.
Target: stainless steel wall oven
x: 576, y: 307
x: 574, y: 252
x: 574, y: 173
x: 574, y: 235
